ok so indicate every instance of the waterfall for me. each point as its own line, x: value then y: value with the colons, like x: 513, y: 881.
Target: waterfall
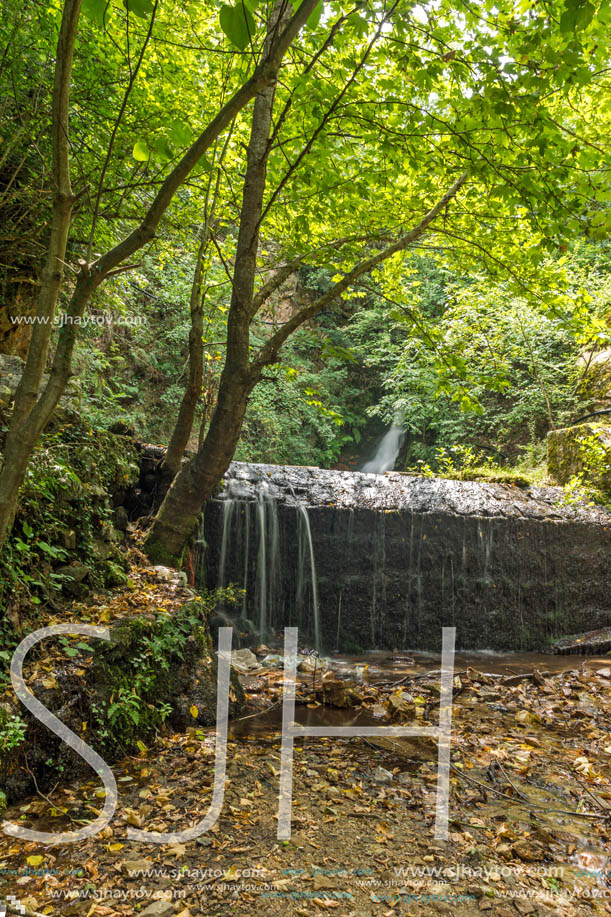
x: 246, y: 559
x: 228, y: 508
x: 262, y: 564
x: 388, y: 559
x: 305, y: 522
x: 267, y: 557
x: 386, y: 453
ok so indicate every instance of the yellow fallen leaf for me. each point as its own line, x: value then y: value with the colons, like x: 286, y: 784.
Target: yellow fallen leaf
x: 114, y: 848
x: 194, y: 711
x: 35, y: 860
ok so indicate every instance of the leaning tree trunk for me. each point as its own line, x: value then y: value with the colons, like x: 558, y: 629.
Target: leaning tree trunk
x: 182, y: 505
x: 32, y: 412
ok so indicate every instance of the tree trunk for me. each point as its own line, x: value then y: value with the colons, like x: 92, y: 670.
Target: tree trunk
x: 193, y: 388
x: 197, y: 480
x: 178, y: 514
x: 24, y: 427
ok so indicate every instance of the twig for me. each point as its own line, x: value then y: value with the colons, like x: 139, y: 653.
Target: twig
x: 510, y: 781
x: 534, y: 805
x: 41, y: 794
x: 599, y: 802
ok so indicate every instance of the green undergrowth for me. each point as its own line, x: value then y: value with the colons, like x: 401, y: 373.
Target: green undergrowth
x: 158, y: 668
x: 464, y: 463
x: 140, y: 672
x: 76, y: 478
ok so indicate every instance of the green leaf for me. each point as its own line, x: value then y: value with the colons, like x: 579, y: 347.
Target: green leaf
x: 95, y: 10
x: 141, y: 152
x: 163, y: 150
x: 238, y: 24
x: 141, y: 8
x: 179, y: 133
x: 578, y: 14
x: 314, y: 17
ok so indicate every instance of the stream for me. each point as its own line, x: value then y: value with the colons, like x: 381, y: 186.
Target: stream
x: 384, y: 670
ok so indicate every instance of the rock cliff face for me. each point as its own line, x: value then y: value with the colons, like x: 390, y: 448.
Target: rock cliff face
x: 362, y: 561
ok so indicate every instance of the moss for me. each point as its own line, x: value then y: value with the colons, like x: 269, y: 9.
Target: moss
x: 3, y: 802
x: 143, y: 672
x: 495, y: 476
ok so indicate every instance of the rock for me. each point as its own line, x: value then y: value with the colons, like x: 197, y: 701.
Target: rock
x: 592, y: 643
x: 273, y: 661
x: 163, y: 907
x: 382, y: 776
x: 11, y: 368
x: 496, y: 527
x: 338, y: 694
x: 527, y: 850
x: 309, y: 664
x: 604, y: 673
x: 74, y: 580
x: 120, y: 518
x: 165, y: 575
x: 418, y: 748
x: 571, y: 451
x: 322, y: 881
x: 244, y: 661
x: 75, y: 572
x: 400, y: 703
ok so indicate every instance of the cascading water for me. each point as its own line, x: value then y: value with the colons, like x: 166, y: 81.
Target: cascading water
x: 305, y: 523
x: 228, y: 509
x: 267, y: 557
x: 386, y: 453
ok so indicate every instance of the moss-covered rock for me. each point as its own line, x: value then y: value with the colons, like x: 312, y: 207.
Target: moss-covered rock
x: 581, y: 451
x: 157, y: 670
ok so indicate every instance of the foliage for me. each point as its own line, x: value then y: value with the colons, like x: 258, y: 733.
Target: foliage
x: 140, y: 669
x: 65, y: 512
x: 592, y: 483
x: 12, y: 731
x: 466, y: 360
x: 463, y: 463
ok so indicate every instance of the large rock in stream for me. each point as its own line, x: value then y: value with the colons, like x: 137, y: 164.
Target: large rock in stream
x: 397, y: 557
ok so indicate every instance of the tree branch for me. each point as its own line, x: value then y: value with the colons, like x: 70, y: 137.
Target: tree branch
x: 263, y: 76
x: 268, y: 353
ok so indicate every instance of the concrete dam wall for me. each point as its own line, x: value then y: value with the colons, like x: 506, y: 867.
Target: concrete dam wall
x: 383, y: 561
